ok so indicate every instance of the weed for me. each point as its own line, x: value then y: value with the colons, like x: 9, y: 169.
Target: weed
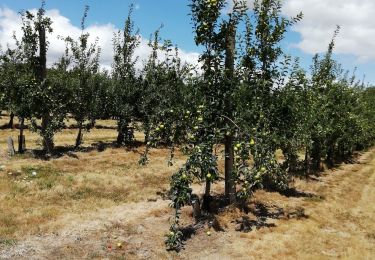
x: 7, y: 242
x: 315, y: 198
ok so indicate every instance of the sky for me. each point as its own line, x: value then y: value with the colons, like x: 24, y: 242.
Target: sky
x: 355, y: 44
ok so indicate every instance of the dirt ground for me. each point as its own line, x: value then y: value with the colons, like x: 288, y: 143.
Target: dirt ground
x: 103, y: 205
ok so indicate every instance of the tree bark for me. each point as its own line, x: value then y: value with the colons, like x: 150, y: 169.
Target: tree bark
x: 316, y: 154
x: 122, y: 128
x: 330, y: 155
x: 307, y: 160
x: 21, y: 138
x: 11, y: 120
x: 207, y: 197
x: 47, y: 138
x: 79, y: 135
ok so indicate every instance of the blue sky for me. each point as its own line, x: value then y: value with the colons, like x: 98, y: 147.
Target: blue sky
x: 304, y: 40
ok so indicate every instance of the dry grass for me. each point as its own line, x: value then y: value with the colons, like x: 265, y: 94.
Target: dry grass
x: 73, y: 185
x: 83, y: 207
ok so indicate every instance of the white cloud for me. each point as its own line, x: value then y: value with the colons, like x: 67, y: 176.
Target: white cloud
x: 357, y: 34
x: 10, y: 22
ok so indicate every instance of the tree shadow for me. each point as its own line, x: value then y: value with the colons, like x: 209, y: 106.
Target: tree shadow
x: 262, y: 213
x: 294, y: 193
x: 60, y: 151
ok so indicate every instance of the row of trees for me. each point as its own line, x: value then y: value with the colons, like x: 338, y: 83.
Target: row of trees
x: 76, y: 86
x: 246, y: 95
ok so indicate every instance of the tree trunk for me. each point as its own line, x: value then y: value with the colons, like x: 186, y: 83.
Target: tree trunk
x: 79, y: 135
x: 230, y: 44
x: 330, y: 155
x: 230, y: 185
x: 42, y: 75
x: 122, y: 128
x: 21, y: 138
x: 207, y: 197
x: 307, y: 160
x: 47, y: 137
x: 147, y: 132
x: 316, y: 154
x: 292, y: 161
x: 11, y: 119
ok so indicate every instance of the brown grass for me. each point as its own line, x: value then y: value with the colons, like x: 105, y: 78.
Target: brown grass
x: 82, y: 207
x: 68, y: 185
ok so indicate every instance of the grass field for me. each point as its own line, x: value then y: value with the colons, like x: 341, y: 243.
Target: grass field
x: 90, y: 204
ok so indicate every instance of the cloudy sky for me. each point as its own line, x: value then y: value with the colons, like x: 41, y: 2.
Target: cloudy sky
x: 355, y: 46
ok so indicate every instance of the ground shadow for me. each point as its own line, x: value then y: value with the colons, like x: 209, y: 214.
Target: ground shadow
x: 293, y: 192
x: 262, y: 213
x: 60, y: 151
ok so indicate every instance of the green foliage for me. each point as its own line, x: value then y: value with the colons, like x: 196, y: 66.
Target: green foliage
x: 125, y: 89
x: 81, y: 65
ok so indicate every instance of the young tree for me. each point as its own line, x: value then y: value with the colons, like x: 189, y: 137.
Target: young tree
x: 214, y: 120
x: 17, y: 84
x: 126, y: 86
x: 263, y: 71
x: 84, y: 66
x: 163, y: 86
x: 34, y: 46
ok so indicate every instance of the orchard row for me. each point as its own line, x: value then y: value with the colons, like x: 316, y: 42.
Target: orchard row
x: 245, y: 95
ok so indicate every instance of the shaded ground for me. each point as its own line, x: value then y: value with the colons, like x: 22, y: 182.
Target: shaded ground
x: 336, y: 219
